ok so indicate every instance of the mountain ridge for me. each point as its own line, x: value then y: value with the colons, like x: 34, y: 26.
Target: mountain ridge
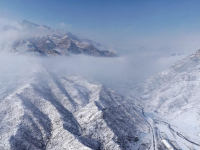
x: 173, y: 96
x: 66, y: 112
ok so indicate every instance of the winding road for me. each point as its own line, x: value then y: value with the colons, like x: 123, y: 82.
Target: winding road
x: 179, y: 134
x: 150, y: 121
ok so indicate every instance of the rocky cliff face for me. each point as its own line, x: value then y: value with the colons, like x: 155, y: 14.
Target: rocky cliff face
x: 43, y: 110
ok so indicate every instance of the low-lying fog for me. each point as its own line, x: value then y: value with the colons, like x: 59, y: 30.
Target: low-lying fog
x: 122, y: 73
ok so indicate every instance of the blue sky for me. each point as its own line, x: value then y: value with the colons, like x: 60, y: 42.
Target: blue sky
x: 125, y: 24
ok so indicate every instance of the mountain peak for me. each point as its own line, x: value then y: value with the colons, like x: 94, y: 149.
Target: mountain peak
x: 32, y: 25
x: 29, y: 24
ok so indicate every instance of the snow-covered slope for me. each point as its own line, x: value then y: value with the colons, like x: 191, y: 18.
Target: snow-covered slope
x: 40, y: 109
x: 174, y: 95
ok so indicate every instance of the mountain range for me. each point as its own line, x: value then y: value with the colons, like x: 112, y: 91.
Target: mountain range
x: 44, y: 41
x: 44, y: 109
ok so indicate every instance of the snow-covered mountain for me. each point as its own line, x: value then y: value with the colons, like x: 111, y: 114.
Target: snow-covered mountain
x: 173, y: 96
x: 41, y: 109
x: 45, y: 41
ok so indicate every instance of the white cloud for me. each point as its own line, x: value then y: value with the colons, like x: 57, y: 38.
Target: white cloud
x: 111, y: 48
x: 64, y: 25
x: 4, y: 22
